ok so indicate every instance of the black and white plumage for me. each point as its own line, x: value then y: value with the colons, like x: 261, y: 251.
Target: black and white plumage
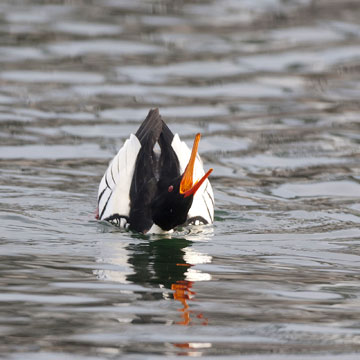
x: 147, y: 191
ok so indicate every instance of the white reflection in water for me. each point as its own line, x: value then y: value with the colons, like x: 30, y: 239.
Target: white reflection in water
x: 159, y: 266
x: 194, y: 258
x: 115, y: 254
x: 197, y: 275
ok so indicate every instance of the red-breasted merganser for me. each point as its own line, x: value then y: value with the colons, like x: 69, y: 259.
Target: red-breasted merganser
x: 149, y: 192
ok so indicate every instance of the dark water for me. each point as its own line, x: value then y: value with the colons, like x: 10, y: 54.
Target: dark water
x: 273, y: 86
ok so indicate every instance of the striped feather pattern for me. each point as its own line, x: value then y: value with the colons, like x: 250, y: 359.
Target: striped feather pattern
x: 114, y: 188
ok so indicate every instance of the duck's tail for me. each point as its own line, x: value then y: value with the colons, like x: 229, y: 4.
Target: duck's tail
x: 150, y: 130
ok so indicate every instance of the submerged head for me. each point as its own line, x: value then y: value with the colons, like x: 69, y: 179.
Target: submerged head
x: 172, y: 204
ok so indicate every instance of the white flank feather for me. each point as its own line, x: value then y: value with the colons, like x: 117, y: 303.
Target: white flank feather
x: 203, y: 203
x: 116, y: 182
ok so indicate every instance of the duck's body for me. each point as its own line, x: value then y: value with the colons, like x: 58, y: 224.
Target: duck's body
x: 147, y: 191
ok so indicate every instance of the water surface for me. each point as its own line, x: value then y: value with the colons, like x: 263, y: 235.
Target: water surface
x: 273, y: 86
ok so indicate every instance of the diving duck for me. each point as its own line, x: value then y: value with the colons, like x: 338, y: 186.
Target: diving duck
x: 155, y: 183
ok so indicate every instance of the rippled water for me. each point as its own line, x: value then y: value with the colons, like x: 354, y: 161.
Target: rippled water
x: 273, y: 86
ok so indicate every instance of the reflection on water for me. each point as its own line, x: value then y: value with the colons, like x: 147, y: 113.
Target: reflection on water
x: 273, y: 86
x: 163, y: 264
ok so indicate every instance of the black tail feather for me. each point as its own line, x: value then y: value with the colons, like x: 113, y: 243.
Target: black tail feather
x: 166, y: 134
x: 169, y: 163
x: 150, y: 130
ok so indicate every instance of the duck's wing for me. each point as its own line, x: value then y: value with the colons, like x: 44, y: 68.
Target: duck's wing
x: 128, y: 184
x: 202, y: 208
x: 114, y: 188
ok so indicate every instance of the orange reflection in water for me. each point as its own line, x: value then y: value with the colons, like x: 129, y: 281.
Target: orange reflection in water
x: 184, y: 294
